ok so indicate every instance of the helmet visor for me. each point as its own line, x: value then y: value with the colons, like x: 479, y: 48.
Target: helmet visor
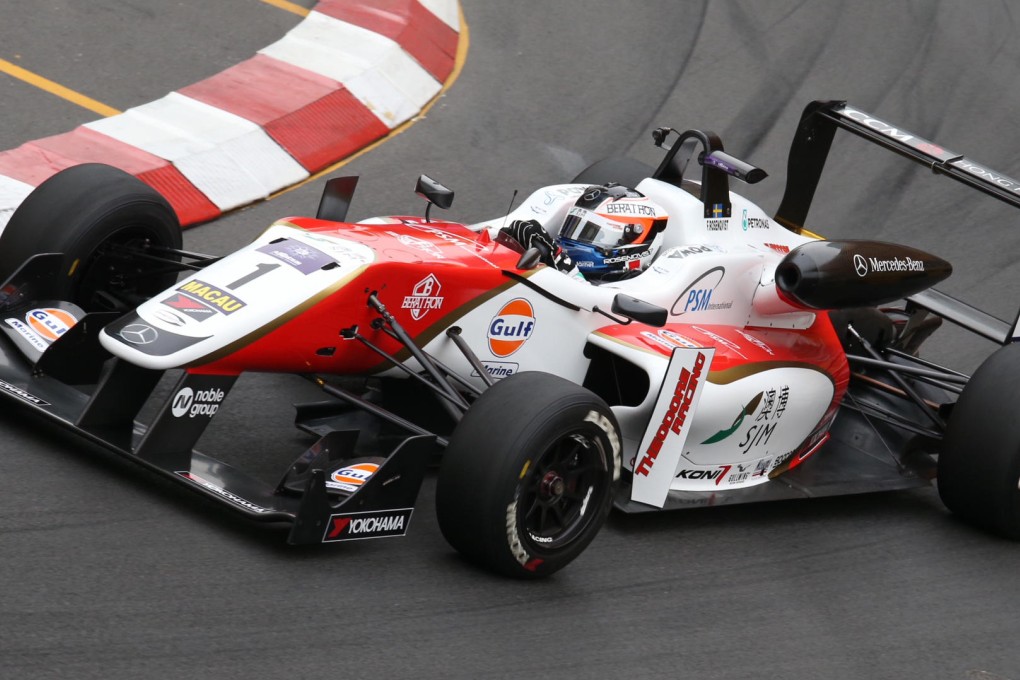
x: 585, y: 226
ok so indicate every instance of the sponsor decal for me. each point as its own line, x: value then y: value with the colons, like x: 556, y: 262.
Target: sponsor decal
x: 138, y: 334
x: 860, y: 265
x: 193, y: 309
x: 27, y: 333
x: 719, y: 340
x: 753, y: 222
x: 188, y: 402
x: 717, y: 225
x: 169, y: 318
x: 358, y: 525
x: 633, y: 209
x: 932, y: 149
x: 339, y: 249
x: 756, y: 342
x: 877, y: 125
x: 511, y: 327
x: 923, y: 145
x: 778, y: 247
x: 676, y: 415
x: 717, y: 474
x: 669, y: 340
x: 986, y: 174
x: 468, y: 246
x: 894, y: 264
x: 748, y: 410
x: 223, y: 493
x: 351, y: 477
x: 498, y: 369
x: 50, y: 323
x: 421, y: 244
x: 212, y: 296
x: 654, y: 338
x: 300, y: 256
x: 697, y: 297
x: 681, y: 252
x: 762, y: 468
x: 424, y: 297
x: 773, y: 407
x: 679, y: 340
x: 22, y: 394
x: 627, y: 258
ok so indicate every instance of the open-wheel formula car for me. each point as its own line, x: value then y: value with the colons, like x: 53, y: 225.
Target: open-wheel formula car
x: 729, y: 359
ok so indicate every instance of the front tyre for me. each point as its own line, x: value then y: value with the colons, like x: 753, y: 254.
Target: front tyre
x: 979, y: 465
x: 527, y: 479
x: 102, y: 221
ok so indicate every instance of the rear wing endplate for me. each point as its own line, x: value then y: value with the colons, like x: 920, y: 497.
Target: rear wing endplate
x: 813, y: 139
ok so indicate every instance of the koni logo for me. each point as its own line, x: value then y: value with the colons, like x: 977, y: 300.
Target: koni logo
x: 511, y: 327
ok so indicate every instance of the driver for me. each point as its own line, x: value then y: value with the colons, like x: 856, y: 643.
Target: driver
x: 611, y: 233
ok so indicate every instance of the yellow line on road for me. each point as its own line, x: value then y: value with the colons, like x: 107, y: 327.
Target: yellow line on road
x: 53, y: 88
x: 289, y: 7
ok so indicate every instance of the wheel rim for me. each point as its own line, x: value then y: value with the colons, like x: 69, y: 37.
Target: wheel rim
x: 561, y: 494
x: 113, y: 277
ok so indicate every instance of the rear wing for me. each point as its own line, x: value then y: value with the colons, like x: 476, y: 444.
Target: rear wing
x: 814, y: 136
x: 809, y: 150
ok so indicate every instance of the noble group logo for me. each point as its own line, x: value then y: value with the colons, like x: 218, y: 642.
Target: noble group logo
x: 511, y: 327
x: 860, y: 265
x: 50, y: 323
x: 424, y: 297
x: 188, y: 402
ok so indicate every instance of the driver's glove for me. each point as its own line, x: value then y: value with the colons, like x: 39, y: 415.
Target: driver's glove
x: 531, y: 234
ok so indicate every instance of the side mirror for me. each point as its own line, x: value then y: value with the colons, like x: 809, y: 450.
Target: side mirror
x: 433, y: 192
x: 639, y: 310
x: 529, y: 259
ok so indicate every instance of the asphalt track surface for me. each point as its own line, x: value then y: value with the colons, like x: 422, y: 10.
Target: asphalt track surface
x: 107, y: 572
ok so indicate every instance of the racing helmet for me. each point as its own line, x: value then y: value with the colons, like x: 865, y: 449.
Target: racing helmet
x: 612, y: 232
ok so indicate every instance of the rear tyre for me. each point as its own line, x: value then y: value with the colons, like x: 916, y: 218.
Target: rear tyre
x: 527, y: 480
x: 625, y: 171
x: 979, y: 465
x: 98, y: 217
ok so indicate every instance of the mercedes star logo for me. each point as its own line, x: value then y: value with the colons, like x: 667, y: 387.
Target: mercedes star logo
x: 139, y: 334
x: 860, y: 264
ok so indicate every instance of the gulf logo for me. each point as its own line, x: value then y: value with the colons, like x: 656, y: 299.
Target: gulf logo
x: 511, y: 327
x: 350, y: 477
x: 50, y: 323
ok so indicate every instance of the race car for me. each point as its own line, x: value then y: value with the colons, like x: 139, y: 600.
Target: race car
x: 699, y: 352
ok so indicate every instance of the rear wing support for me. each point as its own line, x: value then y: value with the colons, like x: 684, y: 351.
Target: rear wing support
x: 811, y: 143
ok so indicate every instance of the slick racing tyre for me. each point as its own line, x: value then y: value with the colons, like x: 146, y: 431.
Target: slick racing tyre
x: 527, y: 480
x: 625, y: 171
x: 99, y: 218
x: 979, y: 465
